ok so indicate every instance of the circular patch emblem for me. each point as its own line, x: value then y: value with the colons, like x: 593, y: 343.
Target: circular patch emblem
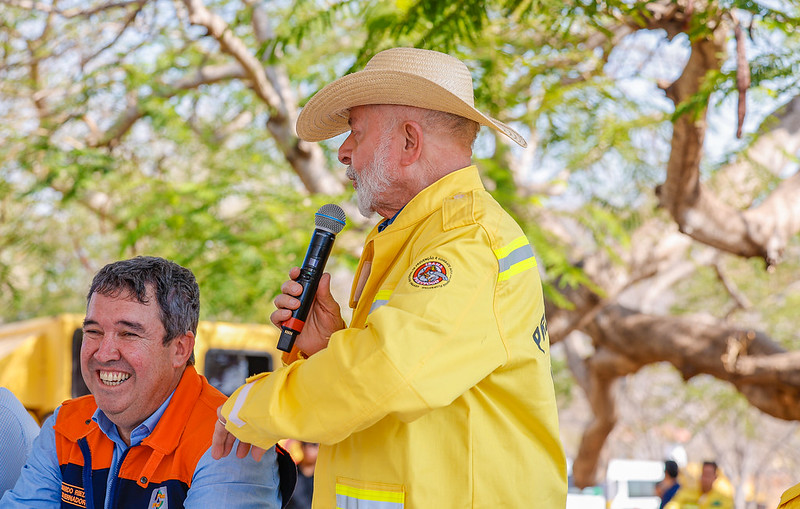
x: 430, y: 273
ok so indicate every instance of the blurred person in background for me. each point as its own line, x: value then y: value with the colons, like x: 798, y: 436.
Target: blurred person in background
x: 707, y: 495
x: 304, y: 489
x: 669, y: 486
x: 17, y: 431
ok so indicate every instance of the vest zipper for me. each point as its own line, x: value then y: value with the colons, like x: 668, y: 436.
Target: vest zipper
x: 86, y: 474
x: 112, y: 495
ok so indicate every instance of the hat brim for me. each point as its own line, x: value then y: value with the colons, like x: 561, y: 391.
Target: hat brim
x: 326, y: 114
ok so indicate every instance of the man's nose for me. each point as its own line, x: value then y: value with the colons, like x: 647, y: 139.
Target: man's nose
x: 108, y: 349
x: 346, y: 150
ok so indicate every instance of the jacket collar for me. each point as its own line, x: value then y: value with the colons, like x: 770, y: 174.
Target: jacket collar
x: 421, y: 206
x: 165, y: 438
x: 431, y: 198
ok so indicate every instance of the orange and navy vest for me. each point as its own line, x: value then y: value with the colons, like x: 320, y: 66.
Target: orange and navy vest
x: 157, y: 472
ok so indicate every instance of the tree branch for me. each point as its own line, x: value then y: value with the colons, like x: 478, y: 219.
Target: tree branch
x: 272, y: 86
x: 130, y: 19
x: 699, y: 213
x: 232, y: 45
x: 695, y: 345
x: 741, y: 300
x: 69, y: 13
x: 626, y: 340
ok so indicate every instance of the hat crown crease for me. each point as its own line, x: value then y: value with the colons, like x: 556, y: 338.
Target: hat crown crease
x: 448, y: 72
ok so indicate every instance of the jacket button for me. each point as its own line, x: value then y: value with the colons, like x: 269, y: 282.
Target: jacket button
x: 88, y: 421
x: 143, y: 480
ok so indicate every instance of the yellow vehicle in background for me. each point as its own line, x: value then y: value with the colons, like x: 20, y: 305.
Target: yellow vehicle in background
x: 40, y: 358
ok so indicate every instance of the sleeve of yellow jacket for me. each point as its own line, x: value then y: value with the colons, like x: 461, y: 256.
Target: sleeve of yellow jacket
x: 790, y: 498
x: 418, y: 352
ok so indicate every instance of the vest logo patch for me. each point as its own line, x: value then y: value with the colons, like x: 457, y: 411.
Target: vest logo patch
x: 432, y: 272
x: 73, y: 495
x: 158, y: 500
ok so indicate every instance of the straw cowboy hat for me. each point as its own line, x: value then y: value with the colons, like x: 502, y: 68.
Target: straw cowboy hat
x: 405, y: 76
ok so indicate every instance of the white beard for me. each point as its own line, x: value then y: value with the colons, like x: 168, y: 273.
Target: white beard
x: 374, y: 180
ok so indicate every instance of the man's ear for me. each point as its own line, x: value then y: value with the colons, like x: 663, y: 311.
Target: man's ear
x: 183, y: 346
x: 412, y: 142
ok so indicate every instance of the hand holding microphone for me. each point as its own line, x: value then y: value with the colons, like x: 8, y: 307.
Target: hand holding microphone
x: 329, y: 221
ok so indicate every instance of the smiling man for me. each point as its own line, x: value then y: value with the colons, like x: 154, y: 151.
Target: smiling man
x: 142, y: 438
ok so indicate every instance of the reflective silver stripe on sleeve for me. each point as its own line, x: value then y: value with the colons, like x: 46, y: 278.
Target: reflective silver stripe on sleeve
x: 240, y: 399
x: 377, y: 304
x: 520, y: 254
x: 381, y: 299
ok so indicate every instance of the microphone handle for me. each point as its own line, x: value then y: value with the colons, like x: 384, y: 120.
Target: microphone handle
x: 313, y: 266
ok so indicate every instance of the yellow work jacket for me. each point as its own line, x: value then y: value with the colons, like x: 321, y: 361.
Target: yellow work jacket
x: 790, y: 498
x: 439, y: 394
x: 693, y: 498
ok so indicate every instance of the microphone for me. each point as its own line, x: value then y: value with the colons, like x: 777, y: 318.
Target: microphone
x: 329, y: 220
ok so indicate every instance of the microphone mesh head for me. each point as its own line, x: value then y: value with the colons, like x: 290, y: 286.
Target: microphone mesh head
x: 330, y: 218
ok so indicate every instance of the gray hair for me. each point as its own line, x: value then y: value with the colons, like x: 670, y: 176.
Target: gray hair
x: 453, y: 125
x: 175, y: 288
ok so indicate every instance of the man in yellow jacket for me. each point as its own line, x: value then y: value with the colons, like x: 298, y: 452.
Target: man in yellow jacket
x: 439, y: 393
x: 708, y: 495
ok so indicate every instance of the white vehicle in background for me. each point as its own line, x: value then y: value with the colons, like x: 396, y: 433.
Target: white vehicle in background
x: 631, y: 484
x: 591, y: 497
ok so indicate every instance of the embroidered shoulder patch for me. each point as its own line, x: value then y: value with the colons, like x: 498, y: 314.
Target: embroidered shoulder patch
x: 431, y: 272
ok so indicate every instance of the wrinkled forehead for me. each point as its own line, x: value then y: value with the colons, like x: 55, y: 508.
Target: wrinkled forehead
x: 358, y: 114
